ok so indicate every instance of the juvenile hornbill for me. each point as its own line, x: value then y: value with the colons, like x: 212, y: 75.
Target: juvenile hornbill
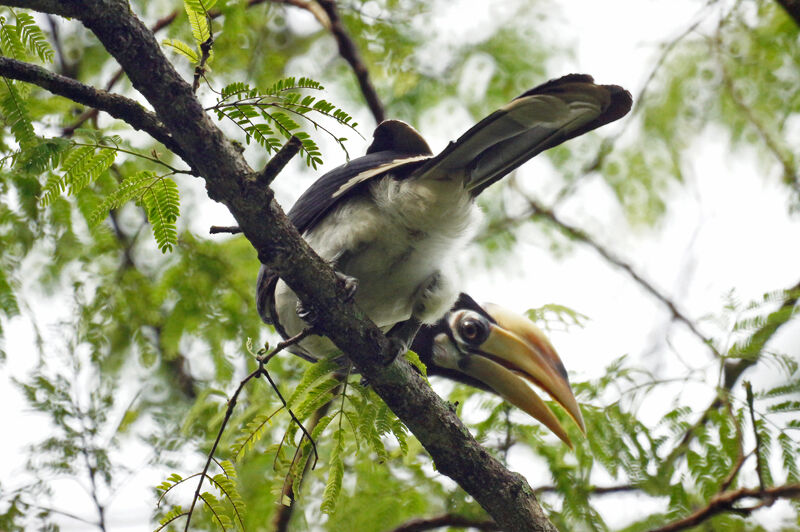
x: 390, y: 221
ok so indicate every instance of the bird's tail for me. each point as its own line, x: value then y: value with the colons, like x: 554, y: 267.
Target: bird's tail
x: 539, y: 119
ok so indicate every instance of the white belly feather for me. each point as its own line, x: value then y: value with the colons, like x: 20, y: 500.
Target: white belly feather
x: 392, y: 240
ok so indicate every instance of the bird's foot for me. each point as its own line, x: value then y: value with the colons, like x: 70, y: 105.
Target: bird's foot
x: 349, y: 285
x: 400, y: 337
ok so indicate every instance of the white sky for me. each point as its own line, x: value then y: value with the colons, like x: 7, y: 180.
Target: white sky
x: 727, y: 228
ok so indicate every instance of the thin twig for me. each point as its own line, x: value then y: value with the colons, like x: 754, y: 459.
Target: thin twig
x: 261, y: 370
x: 446, y: 520
x: 330, y: 20
x: 740, y: 456
x: 579, y: 234
x: 783, y: 156
x: 724, y: 502
x: 291, y: 484
x: 759, y: 443
x: 232, y: 229
x: 593, y: 490
x: 608, y: 143
x: 732, y: 371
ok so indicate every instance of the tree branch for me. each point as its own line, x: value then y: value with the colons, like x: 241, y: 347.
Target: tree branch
x: 792, y: 8
x: 449, y: 520
x: 278, y: 162
x: 724, y: 502
x: 732, y: 371
x: 329, y: 18
x: 506, y: 496
x: 572, y: 231
x: 117, y: 106
x: 594, y: 490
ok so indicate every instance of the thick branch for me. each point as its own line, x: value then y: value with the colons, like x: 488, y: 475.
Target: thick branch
x: 119, y: 107
x: 506, y: 496
x: 724, y: 502
x: 792, y: 8
x: 446, y: 520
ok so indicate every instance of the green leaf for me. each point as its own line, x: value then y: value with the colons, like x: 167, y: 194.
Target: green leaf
x: 198, y: 20
x: 415, y: 361
x: 33, y: 38
x: 162, y: 204
x: 10, y: 41
x: 170, y: 516
x: 16, y: 114
x: 81, y: 167
x: 133, y: 187
x: 335, y: 474
x: 183, y: 49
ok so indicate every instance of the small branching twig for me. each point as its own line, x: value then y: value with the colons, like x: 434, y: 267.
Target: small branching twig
x: 784, y: 156
x: 724, y: 502
x: 740, y: 456
x: 572, y: 231
x: 260, y: 370
x: 759, y: 460
x: 732, y: 371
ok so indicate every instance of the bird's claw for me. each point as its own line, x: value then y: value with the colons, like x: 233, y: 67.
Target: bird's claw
x: 348, y: 284
x: 306, y: 314
x: 397, y: 347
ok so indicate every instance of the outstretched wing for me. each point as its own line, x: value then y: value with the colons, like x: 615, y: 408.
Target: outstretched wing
x: 541, y: 118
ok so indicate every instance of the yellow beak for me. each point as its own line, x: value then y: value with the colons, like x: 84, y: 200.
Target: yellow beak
x: 517, y: 353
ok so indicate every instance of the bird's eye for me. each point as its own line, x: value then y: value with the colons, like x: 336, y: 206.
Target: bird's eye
x: 473, y: 330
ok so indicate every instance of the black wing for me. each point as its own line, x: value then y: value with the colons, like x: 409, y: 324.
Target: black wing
x: 537, y: 120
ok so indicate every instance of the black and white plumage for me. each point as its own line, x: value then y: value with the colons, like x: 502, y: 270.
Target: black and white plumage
x: 393, y: 219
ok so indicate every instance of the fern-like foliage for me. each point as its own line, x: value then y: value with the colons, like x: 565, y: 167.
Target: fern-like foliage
x: 183, y: 49
x: 174, y: 514
x: 162, y: 205
x: 227, y: 511
x: 81, y: 166
x: 197, y: 12
x: 24, y: 39
x: 335, y: 474
x: 266, y: 116
x: 33, y: 38
x: 15, y: 113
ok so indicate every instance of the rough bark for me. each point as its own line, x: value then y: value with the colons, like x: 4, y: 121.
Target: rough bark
x: 506, y: 496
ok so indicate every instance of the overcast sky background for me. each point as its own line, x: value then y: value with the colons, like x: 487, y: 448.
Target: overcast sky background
x: 714, y: 238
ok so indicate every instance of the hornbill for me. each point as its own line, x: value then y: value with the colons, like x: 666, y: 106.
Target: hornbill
x: 494, y: 349
x: 390, y: 221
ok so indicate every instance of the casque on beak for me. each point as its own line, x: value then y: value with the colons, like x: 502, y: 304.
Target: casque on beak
x: 515, y: 354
